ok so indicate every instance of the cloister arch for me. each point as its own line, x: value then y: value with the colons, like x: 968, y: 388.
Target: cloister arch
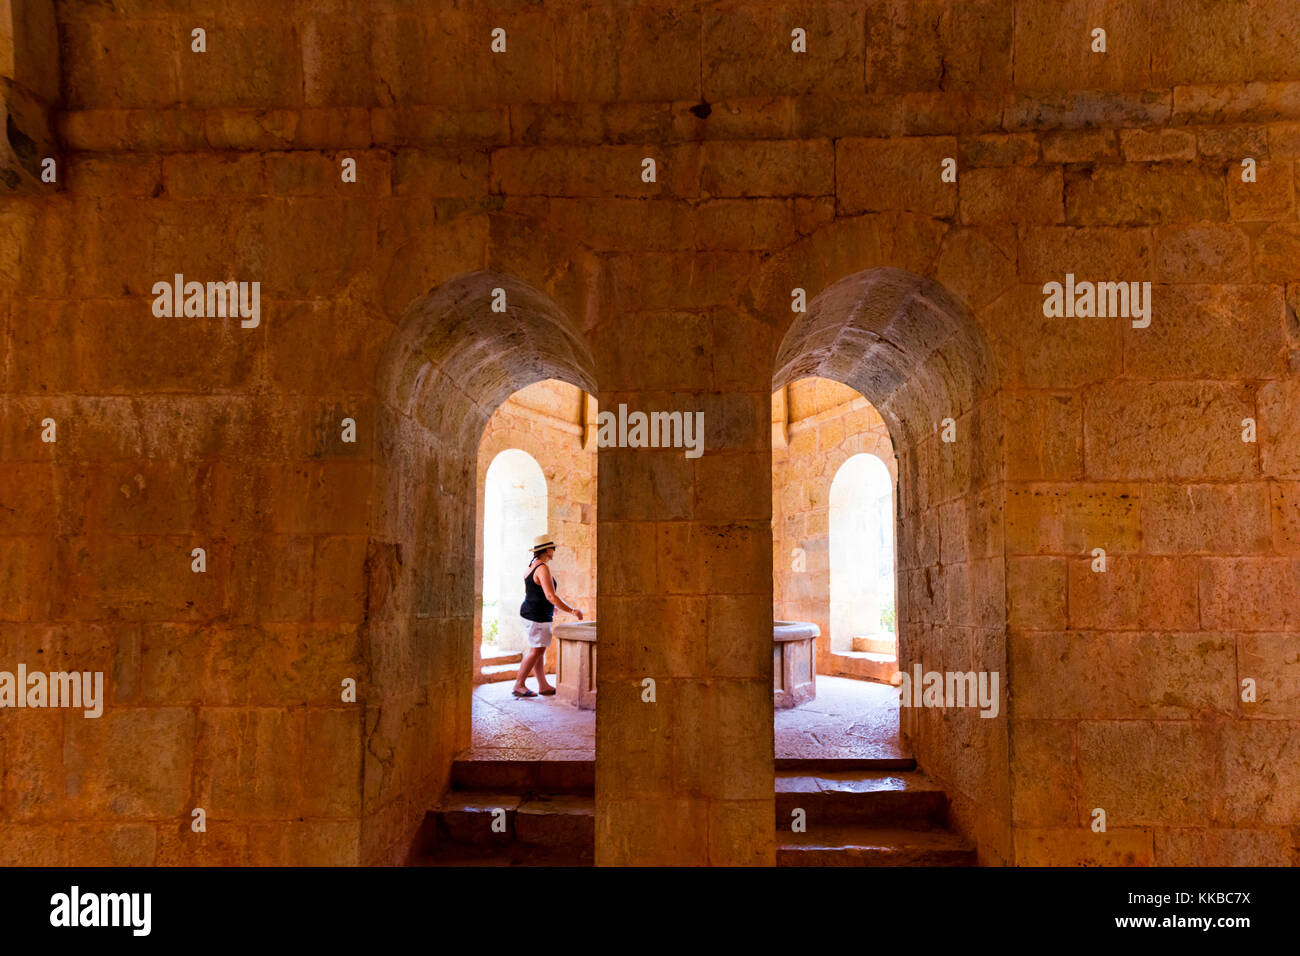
x: 515, y: 497
x: 458, y: 352
x: 912, y: 349
x: 861, y: 530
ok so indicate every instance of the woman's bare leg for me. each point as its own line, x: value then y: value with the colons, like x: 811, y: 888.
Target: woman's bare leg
x: 540, y: 670
x: 526, y: 665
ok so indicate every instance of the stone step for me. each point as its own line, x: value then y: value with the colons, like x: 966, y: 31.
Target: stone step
x: 864, y: 665
x: 557, y: 820
x: 493, y: 818
x: 872, y: 846
x: 875, y: 645
x: 506, y: 658
x: 506, y: 829
x: 524, y: 776
x: 517, y: 854
x: 835, y: 797
x: 831, y: 764
x: 492, y: 673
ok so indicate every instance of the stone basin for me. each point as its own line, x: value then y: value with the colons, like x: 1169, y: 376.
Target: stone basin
x: 794, y: 663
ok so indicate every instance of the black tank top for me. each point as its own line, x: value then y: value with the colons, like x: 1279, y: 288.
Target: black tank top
x: 536, y: 607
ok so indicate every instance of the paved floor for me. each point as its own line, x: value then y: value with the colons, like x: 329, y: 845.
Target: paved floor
x: 848, y: 718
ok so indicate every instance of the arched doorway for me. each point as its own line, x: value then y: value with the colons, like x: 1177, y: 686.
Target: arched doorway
x: 458, y: 353
x: 514, y: 511
x: 913, y: 351
x: 861, y: 530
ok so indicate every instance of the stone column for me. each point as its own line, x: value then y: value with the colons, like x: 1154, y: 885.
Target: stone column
x: 684, y: 738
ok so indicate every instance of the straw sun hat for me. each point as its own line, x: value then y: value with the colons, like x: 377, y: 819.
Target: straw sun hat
x: 542, y: 542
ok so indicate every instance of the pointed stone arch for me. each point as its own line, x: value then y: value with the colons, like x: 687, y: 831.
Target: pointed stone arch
x: 449, y: 364
x: 913, y: 349
x: 29, y: 92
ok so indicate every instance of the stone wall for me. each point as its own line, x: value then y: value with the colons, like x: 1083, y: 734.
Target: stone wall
x: 774, y: 171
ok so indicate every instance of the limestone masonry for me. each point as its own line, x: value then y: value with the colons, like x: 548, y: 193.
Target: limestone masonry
x: 1061, y: 268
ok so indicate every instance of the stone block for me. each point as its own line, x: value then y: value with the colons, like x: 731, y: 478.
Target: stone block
x: 1080, y: 146
x: 596, y: 172
x: 1053, y: 45
x: 1202, y: 252
x: 1108, y: 675
x: 747, y: 168
x: 1206, y: 846
x: 121, y: 63
x: 305, y: 843
x: 1027, y: 345
x: 1137, y: 194
x: 1072, y: 519
x: 698, y: 558
x: 1083, y: 847
x: 1250, y: 594
x: 1269, y: 198
x: 746, y: 50
x: 1273, y: 662
x: 331, y: 769
x: 977, y: 264
x: 1042, y: 772
x: 106, y: 845
x: 27, y: 504
x: 1254, y: 792
x: 1146, y: 773
x: 1091, y: 254
x: 1157, y: 145
x: 1036, y: 592
x: 613, y: 55
x: 336, y: 63
x: 1167, y: 430
x: 1020, y: 194
x: 1215, y: 518
x: 249, y: 762
x: 1169, y: 593
x: 257, y: 66
x: 133, y: 762
x: 1279, y: 429
x: 1044, y: 436
x: 1284, y: 510
x: 873, y: 175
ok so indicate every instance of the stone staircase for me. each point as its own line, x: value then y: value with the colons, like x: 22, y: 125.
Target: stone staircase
x: 870, y: 812
x: 512, y: 813
x: 864, y: 813
x: 499, y: 667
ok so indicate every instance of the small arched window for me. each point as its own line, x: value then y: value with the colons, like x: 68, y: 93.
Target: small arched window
x: 861, y: 552
x: 514, y: 513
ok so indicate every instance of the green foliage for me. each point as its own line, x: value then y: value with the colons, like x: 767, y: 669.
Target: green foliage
x: 887, y: 617
x: 491, y: 625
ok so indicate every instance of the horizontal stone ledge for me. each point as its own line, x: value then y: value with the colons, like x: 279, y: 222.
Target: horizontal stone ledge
x: 668, y: 122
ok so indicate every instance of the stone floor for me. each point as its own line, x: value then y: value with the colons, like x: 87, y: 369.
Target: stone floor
x: 849, y: 718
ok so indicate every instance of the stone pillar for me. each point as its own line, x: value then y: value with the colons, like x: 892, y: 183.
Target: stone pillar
x: 685, y: 602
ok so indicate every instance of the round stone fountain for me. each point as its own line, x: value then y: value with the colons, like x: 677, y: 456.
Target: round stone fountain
x: 794, y: 663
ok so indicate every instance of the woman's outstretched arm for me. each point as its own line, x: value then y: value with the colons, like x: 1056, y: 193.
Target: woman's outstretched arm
x: 548, y: 588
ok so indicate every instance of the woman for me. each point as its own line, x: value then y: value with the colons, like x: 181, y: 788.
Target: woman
x: 540, y: 602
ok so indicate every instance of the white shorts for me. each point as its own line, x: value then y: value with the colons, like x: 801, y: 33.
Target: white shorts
x: 539, y: 633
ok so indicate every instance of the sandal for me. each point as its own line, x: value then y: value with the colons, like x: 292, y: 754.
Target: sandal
x: 548, y: 693
x: 523, y: 693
